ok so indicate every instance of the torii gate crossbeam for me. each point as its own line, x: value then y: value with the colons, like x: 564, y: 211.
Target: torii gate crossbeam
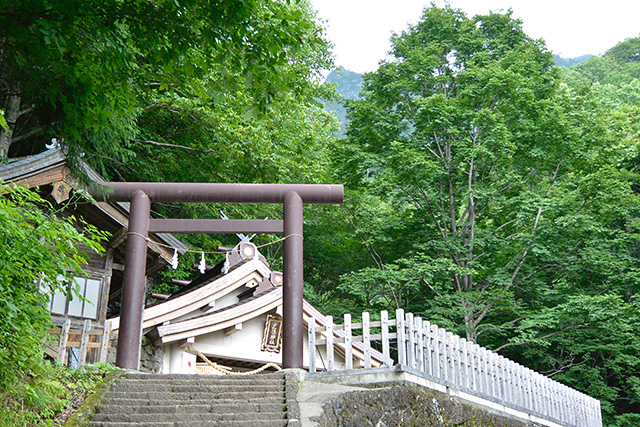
x: 142, y: 194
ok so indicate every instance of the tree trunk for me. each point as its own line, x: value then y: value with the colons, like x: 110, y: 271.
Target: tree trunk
x: 11, y: 116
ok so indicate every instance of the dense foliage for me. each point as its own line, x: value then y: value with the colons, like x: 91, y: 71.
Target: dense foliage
x: 85, y: 71
x: 39, y: 253
x: 52, y: 394
x: 495, y: 194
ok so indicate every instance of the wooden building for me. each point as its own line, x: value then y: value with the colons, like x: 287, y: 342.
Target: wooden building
x: 49, y: 174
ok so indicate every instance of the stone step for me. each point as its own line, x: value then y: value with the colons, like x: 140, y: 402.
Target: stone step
x: 190, y: 395
x: 274, y: 399
x: 125, y: 387
x: 205, y: 380
x: 227, y: 423
x: 190, y: 408
x: 173, y: 377
x: 194, y: 418
x: 194, y: 400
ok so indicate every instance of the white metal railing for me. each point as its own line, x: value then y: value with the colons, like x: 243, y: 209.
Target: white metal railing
x: 454, y: 362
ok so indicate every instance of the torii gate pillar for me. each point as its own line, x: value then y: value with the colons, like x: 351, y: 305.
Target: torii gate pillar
x: 141, y: 194
x: 292, y: 333
x: 132, y: 307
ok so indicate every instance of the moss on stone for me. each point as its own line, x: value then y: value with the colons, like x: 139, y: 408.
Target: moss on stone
x: 81, y: 417
x: 401, y: 405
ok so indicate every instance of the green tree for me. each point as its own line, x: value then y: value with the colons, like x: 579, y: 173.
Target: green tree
x: 83, y: 71
x: 39, y: 253
x: 626, y: 51
x: 454, y: 136
x: 500, y: 200
x: 171, y: 91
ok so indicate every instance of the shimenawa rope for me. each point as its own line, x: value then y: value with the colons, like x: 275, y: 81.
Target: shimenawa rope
x: 225, y: 370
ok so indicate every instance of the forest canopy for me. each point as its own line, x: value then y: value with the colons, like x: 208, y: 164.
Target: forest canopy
x: 496, y: 195
x: 487, y: 189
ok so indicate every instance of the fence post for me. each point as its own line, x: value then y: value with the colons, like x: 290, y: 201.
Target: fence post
x: 384, y: 330
x: 84, y: 343
x: 513, y: 396
x: 577, y: 412
x: 554, y: 399
x: 529, y: 388
x: 428, y: 348
x: 62, y: 344
x: 493, y: 369
x: 464, y: 369
x: 484, y: 371
x: 549, y: 397
x: 520, y: 381
x: 402, y: 352
x: 544, y: 404
x: 489, y: 365
x: 366, y: 338
x: 501, y: 375
x: 502, y: 371
x: 535, y: 404
x: 565, y: 409
x: 449, y: 354
x: 419, y: 344
x: 525, y: 390
x: 312, y: 344
x: 442, y: 348
x: 329, y: 329
x: 562, y: 408
x: 411, y: 341
x: 524, y: 386
x: 473, y: 384
x: 348, y: 344
x: 435, y: 351
x: 104, y: 345
x: 457, y: 362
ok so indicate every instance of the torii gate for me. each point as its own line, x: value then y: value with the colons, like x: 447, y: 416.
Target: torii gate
x: 141, y: 194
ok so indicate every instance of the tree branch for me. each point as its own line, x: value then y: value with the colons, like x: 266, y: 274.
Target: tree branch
x: 164, y: 144
x: 26, y: 135
x: 513, y: 344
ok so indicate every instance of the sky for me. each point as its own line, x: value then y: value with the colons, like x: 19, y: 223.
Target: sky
x: 360, y: 29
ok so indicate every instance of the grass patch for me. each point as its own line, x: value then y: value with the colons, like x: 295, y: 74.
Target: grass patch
x: 50, y: 394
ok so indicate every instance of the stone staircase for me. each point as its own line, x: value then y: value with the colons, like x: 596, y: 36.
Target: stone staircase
x: 194, y: 400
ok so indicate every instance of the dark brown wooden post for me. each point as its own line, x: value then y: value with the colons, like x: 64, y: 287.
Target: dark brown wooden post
x: 130, y: 334
x: 292, y: 327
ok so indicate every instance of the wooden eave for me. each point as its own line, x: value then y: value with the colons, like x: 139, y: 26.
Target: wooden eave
x: 43, y: 168
x: 221, y: 319
x: 51, y: 166
x: 247, y: 310
x: 200, y: 297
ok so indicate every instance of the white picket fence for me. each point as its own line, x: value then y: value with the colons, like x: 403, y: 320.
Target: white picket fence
x: 452, y: 361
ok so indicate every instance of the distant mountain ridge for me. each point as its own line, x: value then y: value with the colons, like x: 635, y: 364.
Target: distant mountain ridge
x: 348, y: 86
x: 568, y: 62
x: 348, y: 82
